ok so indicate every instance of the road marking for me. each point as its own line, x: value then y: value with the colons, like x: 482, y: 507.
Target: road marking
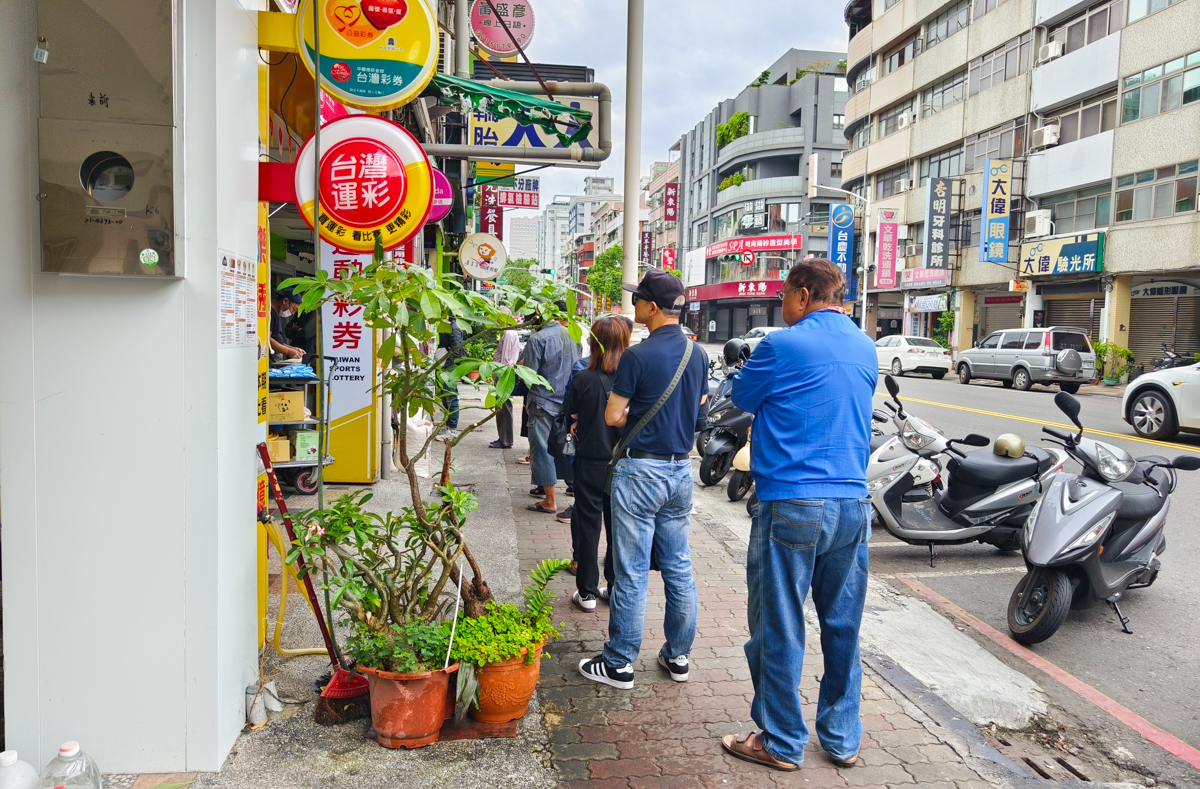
x: 1020, y: 568
x: 1168, y: 742
x: 1071, y: 428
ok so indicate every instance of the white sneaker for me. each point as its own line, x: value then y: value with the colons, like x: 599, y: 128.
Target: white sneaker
x: 677, y: 666
x: 604, y: 593
x: 597, y: 670
x: 586, y: 603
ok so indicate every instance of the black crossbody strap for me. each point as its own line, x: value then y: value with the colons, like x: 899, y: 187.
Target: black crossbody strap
x: 619, y: 450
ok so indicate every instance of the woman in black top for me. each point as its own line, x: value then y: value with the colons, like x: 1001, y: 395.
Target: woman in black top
x: 594, y: 442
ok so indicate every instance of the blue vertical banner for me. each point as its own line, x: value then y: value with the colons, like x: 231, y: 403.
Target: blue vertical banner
x: 997, y: 209
x: 841, y: 246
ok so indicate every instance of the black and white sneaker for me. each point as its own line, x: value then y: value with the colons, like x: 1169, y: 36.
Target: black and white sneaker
x: 678, y: 666
x: 587, y: 603
x: 604, y: 593
x: 597, y: 670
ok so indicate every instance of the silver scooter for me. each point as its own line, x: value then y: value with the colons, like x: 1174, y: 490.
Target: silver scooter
x: 1094, y: 534
x: 986, y: 497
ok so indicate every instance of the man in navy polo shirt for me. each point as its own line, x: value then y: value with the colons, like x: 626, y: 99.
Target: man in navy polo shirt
x: 652, y: 486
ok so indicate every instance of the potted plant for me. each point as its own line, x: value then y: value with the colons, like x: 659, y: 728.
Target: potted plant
x: 1113, y: 360
x: 500, y: 652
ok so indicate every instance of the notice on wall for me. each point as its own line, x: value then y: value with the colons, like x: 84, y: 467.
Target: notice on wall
x: 238, y: 302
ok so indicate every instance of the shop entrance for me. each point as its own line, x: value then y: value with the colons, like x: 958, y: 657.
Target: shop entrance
x: 1001, y: 312
x: 1174, y: 320
x: 1077, y: 313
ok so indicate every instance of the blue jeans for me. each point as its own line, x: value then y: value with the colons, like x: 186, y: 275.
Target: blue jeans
x: 542, y: 470
x: 795, y: 546
x: 450, y: 405
x: 651, y: 511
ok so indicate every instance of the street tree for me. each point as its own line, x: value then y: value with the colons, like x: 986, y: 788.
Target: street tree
x: 604, y: 277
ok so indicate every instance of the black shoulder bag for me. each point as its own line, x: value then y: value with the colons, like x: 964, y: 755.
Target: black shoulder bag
x: 619, y: 449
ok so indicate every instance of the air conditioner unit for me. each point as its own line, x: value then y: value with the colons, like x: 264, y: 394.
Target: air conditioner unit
x: 862, y: 84
x: 903, y: 120
x: 1044, y: 137
x: 1037, y: 223
x: 910, y: 250
x: 902, y: 233
x: 903, y: 185
x: 1050, y: 51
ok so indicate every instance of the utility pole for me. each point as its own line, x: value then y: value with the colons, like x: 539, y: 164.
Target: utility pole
x: 633, y: 149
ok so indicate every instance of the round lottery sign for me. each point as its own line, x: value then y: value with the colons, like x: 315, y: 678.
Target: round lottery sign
x: 488, y: 28
x: 443, y: 197
x: 375, y: 54
x: 482, y: 256
x: 375, y: 180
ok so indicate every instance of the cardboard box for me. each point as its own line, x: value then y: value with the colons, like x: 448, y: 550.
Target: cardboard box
x: 285, y: 406
x: 280, y: 450
x: 305, y: 444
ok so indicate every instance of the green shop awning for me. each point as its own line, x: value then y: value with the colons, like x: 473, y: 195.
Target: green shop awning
x: 569, y: 124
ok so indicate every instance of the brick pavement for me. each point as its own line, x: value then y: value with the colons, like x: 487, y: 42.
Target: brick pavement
x: 666, y: 734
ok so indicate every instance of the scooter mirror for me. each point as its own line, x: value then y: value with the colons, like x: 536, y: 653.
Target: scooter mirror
x: 1069, y: 406
x: 892, y: 387
x: 975, y: 440
x: 1186, y: 463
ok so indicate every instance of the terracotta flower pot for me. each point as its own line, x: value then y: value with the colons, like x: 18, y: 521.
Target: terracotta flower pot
x: 473, y: 375
x: 407, y: 710
x: 505, y: 688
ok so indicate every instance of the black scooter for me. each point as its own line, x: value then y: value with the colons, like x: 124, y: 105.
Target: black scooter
x: 1093, y: 535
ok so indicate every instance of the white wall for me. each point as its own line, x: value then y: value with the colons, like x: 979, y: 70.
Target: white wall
x: 1082, y: 73
x: 1071, y: 166
x: 127, y: 444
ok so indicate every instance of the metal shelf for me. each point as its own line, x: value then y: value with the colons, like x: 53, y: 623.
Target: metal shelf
x: 301, y: 463
x: 296, y: 422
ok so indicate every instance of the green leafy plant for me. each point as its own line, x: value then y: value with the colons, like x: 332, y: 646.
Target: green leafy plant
x: 518, y: 275
x: 941, y: 332
x: 763, y: 79
x: 411, y: 649
x: 737, y: 126
x: 733, y: 180
x: 842, y: 66
x: 604, y: 276
x: 1113, y: 359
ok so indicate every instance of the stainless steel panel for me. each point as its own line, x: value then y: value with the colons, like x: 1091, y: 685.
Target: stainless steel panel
x: 117, y: 228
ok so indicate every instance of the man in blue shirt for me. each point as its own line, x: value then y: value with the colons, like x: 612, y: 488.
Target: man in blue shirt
x: 652, y: 486
x: 809, y: 388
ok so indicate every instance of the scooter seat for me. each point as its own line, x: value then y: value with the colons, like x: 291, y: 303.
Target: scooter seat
x: 1139, y: 500
x: 986, y: 468
x: 878, y: 441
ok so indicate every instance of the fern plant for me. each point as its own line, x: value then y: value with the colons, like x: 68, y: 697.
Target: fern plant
x: 537, y: 596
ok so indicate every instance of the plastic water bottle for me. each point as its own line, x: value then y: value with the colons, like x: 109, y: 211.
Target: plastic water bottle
x: 16, y: 774
x: 71, y: 769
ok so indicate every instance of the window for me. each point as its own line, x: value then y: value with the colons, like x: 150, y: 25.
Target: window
x: 1140, y: 8
x: 1013, y: 341
x: 946, y: 93
x: 727, y: 224
x: 889, y: 3
x: 1088, y: 117
x: 1075, y: 212
x: 916, y: 238
x: 783, y: 217
x: 1153, y: 194
x: 1002, y: 63
x: 1003, y: 142
x: 861, y: 138
x: 835, y: 169
x: 839, y: 121
x: 943, y: 163
x: 1162, y: 88
x: 818, y: 216
x: 891, y: 121
x: 991, y: 342
x: 1033, y: 340
x: 1089, y: 26
x: 1070, y: 341
x: 885, y: 182
x: 984, y: 6
x: 947, y: 23
x: 898, y: 57
x: 964, y: 228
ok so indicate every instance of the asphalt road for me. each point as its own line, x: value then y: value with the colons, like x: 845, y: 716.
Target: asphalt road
x: 1155, y: 671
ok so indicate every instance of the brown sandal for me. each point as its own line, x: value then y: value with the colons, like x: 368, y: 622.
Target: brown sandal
x: 748, y: 747
x: 853, y: 760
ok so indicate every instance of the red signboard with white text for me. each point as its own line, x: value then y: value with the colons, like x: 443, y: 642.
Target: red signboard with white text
x: 668, y: 259
x: 671, y: 202
x: 758, y: 289
x: 736, y: 246
x: 511, y: 198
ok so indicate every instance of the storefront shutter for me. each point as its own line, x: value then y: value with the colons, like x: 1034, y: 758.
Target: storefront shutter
x: 1000, y: 316
x: 1076, y: 313
x: 1153, y: 321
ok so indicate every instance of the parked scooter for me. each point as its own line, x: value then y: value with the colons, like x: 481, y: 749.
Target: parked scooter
x: 1094, y: 535
x: 728, y: 426
x: 740, y: 481
x: 987, y: 495
x: 1170, y: 360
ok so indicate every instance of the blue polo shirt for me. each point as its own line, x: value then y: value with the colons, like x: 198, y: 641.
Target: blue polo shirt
x: 810, y: 388
x: 643, y: 375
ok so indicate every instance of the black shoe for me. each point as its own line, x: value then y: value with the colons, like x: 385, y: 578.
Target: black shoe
x: 597, y: 670
x: 570, y: 490
x: 499, y: 445
x: 565, y: 515
x: 677, y: 666
x: 538, y: 492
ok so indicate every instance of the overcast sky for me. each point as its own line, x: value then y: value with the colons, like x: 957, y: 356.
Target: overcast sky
x: 697, y: 53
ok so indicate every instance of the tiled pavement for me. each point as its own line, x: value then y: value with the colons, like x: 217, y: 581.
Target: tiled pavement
x: 666, y: 734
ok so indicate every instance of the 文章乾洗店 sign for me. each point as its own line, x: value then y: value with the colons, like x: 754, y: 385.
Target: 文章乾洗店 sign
x: 1082, y: 254
x: 375, y: 54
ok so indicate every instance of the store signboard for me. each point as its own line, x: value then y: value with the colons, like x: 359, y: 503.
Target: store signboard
x: 736, y: 246
x: 757, y: 289
x: 488, y: 129
x: 482, y: 256
x: 921, y: 278
x: 527, y: 183
x: 671, y: 202
x: 646, y: 253
x: 668, y: 259
x: 1153, y: 290
x: 1082, y: 254
x: 513, y: 198
x: 1018, y: 285
x: 375, y: 54
x: 263, y: 305
x: 997, y: 209
x: 989, y: 300
x: 443, y: 197
x: 937, y: 222
x: 488, y: 21
x: 935, y: 303
x: 491, y: 221
x: 886, y: 234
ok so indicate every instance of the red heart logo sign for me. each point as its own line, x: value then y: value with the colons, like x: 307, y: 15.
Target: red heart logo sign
x: 382, y: 14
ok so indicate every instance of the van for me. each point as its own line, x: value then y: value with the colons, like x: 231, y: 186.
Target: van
x: 1020, y: 358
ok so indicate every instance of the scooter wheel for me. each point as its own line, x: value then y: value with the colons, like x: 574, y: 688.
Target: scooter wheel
x: 714, y: 468
x: 751, y: 503
x: 702, y: 440
x: 740, y: 483
x: 1036, y: 614
x: 306, y: 481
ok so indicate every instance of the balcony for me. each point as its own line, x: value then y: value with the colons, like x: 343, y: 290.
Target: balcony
x: 788, y: 186
x: 776, y: 142
x: 860, y: 48
x: 1081, y: 73
x: 858, y: 105
x: 1076, y: 164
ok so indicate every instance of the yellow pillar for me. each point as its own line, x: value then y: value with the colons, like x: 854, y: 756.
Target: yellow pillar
x: 1118, y: 309
x: 964, y: 319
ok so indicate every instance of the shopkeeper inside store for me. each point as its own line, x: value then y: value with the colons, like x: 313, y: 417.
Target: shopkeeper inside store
x: 281, y: 311
x: 301, y: 331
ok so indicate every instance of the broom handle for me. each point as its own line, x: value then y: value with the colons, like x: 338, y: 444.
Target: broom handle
x: 277, y: 494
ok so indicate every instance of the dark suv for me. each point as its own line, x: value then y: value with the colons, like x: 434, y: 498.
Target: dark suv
x: 1021, y: 358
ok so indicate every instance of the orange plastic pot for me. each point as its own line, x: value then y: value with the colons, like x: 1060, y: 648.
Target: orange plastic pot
x: 505, y: 688
x: 407, y: 710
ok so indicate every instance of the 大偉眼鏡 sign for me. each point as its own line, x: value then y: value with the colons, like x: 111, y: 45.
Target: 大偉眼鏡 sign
x: 997, y: 208
x: 375, y: 180
x: 375, y: 54
x: 1082, y: 254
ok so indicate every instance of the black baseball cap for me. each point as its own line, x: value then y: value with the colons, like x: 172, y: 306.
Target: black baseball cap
x: 661, y: 287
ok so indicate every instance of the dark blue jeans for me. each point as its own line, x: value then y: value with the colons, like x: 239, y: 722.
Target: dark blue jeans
x: 795, y: 546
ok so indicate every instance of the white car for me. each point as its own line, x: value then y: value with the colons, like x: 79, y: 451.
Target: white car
x: 1161, y: 404
x: 899, y: 354
x: 754, y: 336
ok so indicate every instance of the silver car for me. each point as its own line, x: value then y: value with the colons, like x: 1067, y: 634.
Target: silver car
x: 1020, y: 358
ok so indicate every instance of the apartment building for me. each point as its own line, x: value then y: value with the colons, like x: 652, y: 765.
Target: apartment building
x: 522, y: 239
x: 608, y: 224
x: 554, y: 235
x: 1093, y: 110
x: 744, y: 212
x: 661, y: 196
